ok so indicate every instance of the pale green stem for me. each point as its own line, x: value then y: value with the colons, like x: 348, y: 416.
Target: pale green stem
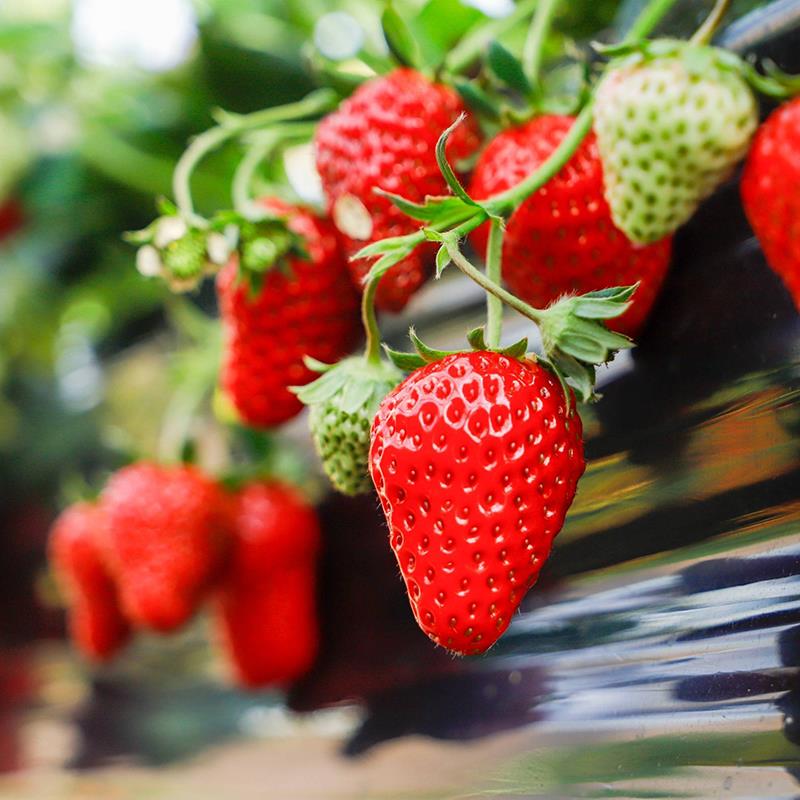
x: 534, y: 42
x: 471, y: 271
x: 494, y: 306
x: 233, y: 125
x: 372, y: 350
x: 704, y: 33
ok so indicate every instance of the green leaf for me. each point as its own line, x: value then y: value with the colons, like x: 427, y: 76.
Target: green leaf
x: 477, y: 99
x: 442, y: 260
x: 407, y: 362
x: 444, y: 165
x: 476, y: 339
x: 429, y: 354
x: 516, y: 350
x: 399, y: 38
x: 507, y: 68
x: 442, y: 23
x: 433, y: 210
x: 356, y: 394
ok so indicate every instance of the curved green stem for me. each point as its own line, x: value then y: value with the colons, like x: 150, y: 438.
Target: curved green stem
x: 230, y: 126
x: 372, y: 350
x: 534, y: 42
x: 494, y: 305
x: 704, y: 33
x: 260, y: 150
x: 471, y: 271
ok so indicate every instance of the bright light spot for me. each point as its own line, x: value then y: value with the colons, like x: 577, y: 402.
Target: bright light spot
x: 492, y: 8
x: 156, y: 35
x: 301, y: 172
x: 338, y: 36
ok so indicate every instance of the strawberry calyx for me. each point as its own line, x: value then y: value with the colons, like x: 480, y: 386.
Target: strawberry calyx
x: 698, y: 58
x: 424, y: 354
x: 179, y: 251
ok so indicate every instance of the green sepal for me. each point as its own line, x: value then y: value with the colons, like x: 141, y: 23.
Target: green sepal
x: 604, y: 303
x: 517, y: 350
x: 407, y: 362
x: 434, y: 210
x: 506, y: 67
x: 429, y: 354
x: 400, y: 39
x: 442, y: 260
x: 577, y: 375
x: 477, y: 99
x: 317, y: 366
x: 360, y: 384
x: 476, y: 339
x: 444, y: 165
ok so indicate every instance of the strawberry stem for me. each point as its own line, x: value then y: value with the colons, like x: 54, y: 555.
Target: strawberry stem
x: 494, y: 305
x: 534, y: 42
x: 263, y: 148
x: 707, y: 30
x: 233, y: 125
x: 372, y: 350
x: 450, y: 241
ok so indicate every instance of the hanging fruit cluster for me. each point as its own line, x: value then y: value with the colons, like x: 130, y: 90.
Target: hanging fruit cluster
x: 475, y: 455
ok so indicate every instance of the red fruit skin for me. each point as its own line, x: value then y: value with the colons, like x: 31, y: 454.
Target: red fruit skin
x: 96, y: 623
x: 168, y: 537
x: 476, y: 462
x: 770, y: 192
x: 562, y: 239
x: 12, y: 218
x: 266, y: 607
x: 310, y: 308
x: 384, y: 136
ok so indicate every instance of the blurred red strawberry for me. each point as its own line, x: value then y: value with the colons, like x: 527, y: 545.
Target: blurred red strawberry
x: 96, y: 623
x: 166, y: 541
x: 266, y: 608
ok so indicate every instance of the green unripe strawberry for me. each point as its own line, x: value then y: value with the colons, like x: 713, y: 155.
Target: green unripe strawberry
x: 342, y: 404
x: 671, y: 124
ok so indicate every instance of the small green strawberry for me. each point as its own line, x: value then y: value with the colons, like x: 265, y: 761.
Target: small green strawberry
x: 342, y: 404
x: 671, y: 121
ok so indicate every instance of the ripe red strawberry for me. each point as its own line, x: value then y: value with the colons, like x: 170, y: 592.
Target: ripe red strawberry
x: 770, y: 192
x: 384, y: 136
x: 166, y: 541
x: 562, y: 238
x: 476, y: 461
x: 303, y: 307
x: 266, y: 608
x: 96, y: 623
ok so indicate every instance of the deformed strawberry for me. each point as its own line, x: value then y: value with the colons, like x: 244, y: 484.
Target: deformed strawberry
x: 96, y: 623
x: 166, y: 540
x: 266, y: 606
x: 384, y: 137
x: 476, y: 458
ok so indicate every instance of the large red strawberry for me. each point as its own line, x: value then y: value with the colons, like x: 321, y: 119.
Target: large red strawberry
x: 384, y: 137
x: 562, y: 238
x: 167, y: 538
x: 96, y: 623
x: 302, y: 307
x: 476, y: 461
x: 770, y: 192
x: 266, y: 607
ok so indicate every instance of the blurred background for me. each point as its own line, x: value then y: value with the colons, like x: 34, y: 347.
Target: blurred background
x: 98, y: 366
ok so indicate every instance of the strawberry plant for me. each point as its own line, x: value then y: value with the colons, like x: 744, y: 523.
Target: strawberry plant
x: 475, y: 454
